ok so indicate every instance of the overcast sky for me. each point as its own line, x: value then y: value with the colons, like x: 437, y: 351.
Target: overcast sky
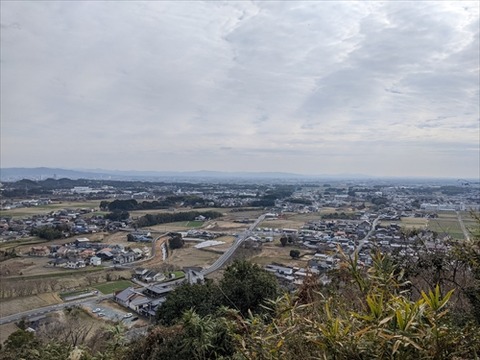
x: 320, y: 87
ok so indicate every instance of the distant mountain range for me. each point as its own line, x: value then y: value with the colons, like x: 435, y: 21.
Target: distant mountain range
x: 42, y: 173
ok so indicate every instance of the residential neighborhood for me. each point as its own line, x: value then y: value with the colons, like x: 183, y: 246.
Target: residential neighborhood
x: 159, y: 234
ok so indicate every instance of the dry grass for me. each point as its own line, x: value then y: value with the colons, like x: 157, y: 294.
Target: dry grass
x: 6, y: 330
x: 46, y: 209
x: 18, y: 305
x: 25, y: 266
x: 412, y: 223
x: 190, y: 256
x: 290, y: 221
x: 274, y: 253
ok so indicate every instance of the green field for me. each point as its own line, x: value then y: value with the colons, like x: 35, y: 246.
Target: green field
x: 446, y: 223
x: 413, y: 223
x: 178, y: 274
x: 73, y: 293
x: 112, y: 286
x: 177, y: 226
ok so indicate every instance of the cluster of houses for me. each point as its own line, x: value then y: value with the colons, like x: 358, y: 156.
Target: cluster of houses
x: 70, y: 221
x: 83, y: 252
x: 328, y: 241
x: 146, y: 299
x: 386, y: 238
x: 291, y: 276
x: 140, y: 236
x: 201, y: 234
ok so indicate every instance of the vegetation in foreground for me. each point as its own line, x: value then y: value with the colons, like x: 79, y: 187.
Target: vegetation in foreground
x: 390, y: 310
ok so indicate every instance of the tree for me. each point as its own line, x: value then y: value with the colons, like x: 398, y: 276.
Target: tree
x: 175, y: 241
x: 125, y: 205
x: 370, y: 317
x: 117, y: 215
x: 246, y: 287
x: 20, y: 339
x: 47, y: 233
x: 207, y: 337
x: 295, y: 254
x: 160, y: 343
x: 204, y: 299
x: 284, y: 240
x: 104, y: 205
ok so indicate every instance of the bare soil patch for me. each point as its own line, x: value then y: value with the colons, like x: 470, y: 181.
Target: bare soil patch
x: 224, y: 225
x: 24, y: 266
x: 190, y: 256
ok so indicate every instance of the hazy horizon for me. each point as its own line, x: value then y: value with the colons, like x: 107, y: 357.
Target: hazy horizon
x: 42, y: 173
x: 387, y: 89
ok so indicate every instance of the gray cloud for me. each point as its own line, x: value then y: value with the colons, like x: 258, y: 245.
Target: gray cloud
x: 311, y: 87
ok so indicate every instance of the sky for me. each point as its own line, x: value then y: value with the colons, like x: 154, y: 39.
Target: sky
x: 320, y: 87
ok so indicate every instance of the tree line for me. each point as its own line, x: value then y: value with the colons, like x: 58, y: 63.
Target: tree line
x: 168, y: 202
x: 163, y: 218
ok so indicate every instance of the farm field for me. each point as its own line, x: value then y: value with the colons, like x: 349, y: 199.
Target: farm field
x: 446, y: 223
x: 274, y: 253
x: 225, y: 225
x: 25, y: 266
x: 21, y: 242
x: 451, y: 228
x: 227, y: 239
x: 45, y: 209
x: 138, y: 213
x: 470, y: 223
x: 111, y: 287
x: 409, y: 223
x: 23, y: 247
x: 17, y: 287
x: 190, y: 256
x: 296, y: 221
x: 242, y: 214
x: 176, y: 226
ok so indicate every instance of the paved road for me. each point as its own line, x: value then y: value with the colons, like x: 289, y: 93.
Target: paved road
x: 48, y: 309
x: 227, y: 254
x: 372, y: 230
x: 462, y: 226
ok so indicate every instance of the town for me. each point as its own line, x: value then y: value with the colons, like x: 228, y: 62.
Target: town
x: 118, y: 248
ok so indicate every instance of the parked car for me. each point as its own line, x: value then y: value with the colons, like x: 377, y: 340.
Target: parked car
x: 96, y: 310
x: 128, y: 315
